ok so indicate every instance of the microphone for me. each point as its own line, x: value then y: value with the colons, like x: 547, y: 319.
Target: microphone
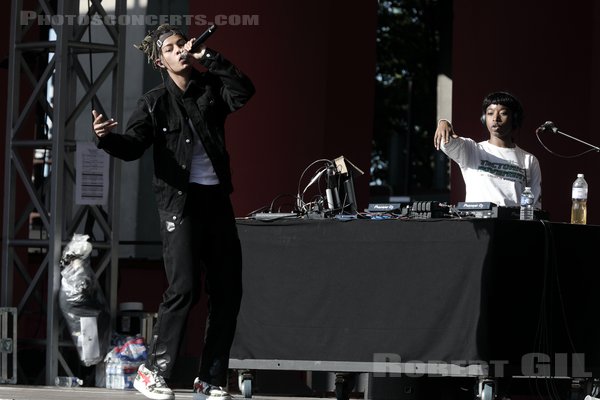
x: 199, y: 40
x: 202, y: 38
x: 547, y: 125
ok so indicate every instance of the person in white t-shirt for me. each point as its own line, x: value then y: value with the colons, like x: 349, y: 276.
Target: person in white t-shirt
x: 494, y: 170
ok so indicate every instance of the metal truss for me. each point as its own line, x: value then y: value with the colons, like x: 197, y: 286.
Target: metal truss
x: 39, y: 172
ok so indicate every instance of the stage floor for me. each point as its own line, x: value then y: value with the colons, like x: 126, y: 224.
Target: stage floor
x: 424, y: 388
x: 18, y: 392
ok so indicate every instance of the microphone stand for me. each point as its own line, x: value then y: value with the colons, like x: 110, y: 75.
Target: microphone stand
x: 579, y: 140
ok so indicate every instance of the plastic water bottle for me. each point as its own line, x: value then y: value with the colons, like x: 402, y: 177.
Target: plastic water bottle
x: 114, y: 374
x: 579, y: 196
x: 527, y: 199
x: 119, y: 378
x: 110, y: 373
x: 67, y: 381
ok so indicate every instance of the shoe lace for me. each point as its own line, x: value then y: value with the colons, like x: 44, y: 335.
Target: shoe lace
x: 159, y: 380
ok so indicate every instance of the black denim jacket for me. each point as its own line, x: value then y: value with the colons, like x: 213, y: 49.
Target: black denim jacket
x: 162, y: 119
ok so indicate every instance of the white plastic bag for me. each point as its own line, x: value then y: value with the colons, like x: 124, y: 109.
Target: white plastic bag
x: 82, y: 303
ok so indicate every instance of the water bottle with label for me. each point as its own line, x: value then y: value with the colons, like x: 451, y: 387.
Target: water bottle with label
x: 527, y: 200
x: 579, y: 196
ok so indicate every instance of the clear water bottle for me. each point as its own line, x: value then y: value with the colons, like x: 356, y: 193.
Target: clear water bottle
x: 527, y: 200
x: 110, y: 373
x: 119, y: 378
x: 579, y: 196
x: 67, y: 381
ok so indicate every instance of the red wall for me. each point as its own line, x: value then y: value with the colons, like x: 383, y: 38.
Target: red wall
x: 548, y: 55
x: 313, y: 64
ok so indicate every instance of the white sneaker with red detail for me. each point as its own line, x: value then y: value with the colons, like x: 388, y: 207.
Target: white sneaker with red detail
x: 152, y: 385
x: 206, y: 391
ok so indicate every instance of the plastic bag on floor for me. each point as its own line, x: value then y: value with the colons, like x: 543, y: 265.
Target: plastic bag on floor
x: 82, y: 303
x: 132, y: 348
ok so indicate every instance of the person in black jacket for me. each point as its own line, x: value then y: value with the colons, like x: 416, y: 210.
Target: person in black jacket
x: 183, y: 120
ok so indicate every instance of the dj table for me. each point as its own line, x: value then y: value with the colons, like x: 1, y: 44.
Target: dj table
x: 470, y: 297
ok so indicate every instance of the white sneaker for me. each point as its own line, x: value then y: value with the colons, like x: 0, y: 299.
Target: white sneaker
x: 152, y: 385
x: 206, y: 391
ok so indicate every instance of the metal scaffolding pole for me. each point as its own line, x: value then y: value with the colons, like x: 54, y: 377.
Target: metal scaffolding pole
x: 49, y: 89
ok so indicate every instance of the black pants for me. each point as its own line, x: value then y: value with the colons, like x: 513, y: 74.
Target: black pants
x: 205, y: 242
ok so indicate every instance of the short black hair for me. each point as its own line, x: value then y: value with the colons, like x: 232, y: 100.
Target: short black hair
x: 507, y: 100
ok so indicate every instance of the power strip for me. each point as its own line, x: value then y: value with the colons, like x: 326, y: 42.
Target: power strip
x: 274, y: 216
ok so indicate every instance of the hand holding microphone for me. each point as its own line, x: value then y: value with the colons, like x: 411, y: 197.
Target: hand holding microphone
x: 195, y: 47
x: 188, y: 53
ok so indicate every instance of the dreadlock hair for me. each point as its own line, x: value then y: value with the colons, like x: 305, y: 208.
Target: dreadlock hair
x: 152, y: 43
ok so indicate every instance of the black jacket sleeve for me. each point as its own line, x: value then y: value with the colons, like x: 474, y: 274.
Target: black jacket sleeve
x: 137, y: 138
x: 236, y: 88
